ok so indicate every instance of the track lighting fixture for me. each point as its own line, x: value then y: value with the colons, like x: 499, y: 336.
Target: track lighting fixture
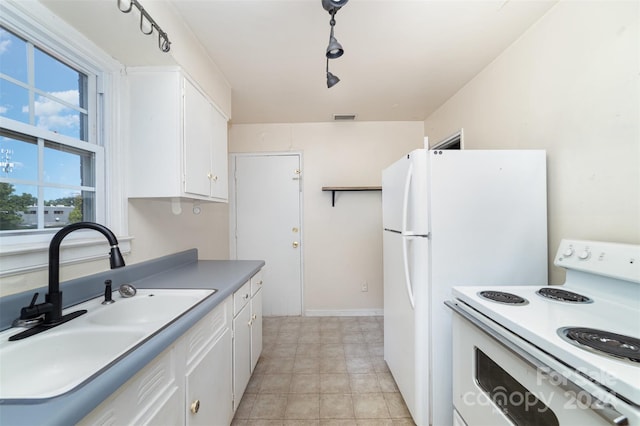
x: 334, y: 49
x: 332, y: 80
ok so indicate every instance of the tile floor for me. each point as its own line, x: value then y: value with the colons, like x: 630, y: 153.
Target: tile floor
x: 322, y: 371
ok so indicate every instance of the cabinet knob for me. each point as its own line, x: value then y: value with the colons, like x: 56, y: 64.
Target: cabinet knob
x: 209, y: 176
x: 253, y: 317
x: 215, y: 178
x: 246, y: 296
x: 260, y: 282
x: 295, y: 244
x: 195, y: 406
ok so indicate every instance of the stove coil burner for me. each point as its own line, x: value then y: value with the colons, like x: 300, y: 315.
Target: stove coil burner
x: 563, y: 295
x: 503, y: 297
x: 603, y: 342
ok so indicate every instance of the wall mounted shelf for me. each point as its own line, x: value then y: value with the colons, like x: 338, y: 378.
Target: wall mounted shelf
x: 334, y: 189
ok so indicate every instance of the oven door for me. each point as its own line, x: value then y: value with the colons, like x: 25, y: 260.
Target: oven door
x: 496, y: 382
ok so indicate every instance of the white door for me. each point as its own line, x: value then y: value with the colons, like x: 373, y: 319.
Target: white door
x: 268, y: 226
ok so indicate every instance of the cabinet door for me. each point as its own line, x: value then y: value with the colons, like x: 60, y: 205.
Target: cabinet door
x: 198, y: 140
x: 241, y: 354
x: 155, y: 148
x: 256, y: 328
x: 208, y: 386
x: 219, y: 157
x: 168, y: 411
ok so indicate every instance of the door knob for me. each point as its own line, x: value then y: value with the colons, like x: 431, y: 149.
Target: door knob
x: 295, y: 244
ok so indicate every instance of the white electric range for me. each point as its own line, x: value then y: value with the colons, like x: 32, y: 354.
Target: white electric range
x: 566, y: 355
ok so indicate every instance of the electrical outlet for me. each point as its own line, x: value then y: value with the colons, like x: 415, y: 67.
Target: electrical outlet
x: 365, y: 286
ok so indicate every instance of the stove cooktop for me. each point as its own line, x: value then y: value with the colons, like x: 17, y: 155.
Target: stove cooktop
x: 539, y: 320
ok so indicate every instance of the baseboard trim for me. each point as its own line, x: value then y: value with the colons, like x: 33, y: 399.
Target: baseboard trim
x: 343, y: 313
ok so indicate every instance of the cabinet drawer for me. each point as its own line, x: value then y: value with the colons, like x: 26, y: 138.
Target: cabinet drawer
x: 241, y: 297
x: 256, y: 282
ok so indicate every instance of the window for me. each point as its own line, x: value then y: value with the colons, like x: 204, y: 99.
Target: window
x: 47, y: 152
x: 61, y: 141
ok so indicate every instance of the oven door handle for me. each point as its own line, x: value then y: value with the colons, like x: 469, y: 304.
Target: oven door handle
x: 604, y: 410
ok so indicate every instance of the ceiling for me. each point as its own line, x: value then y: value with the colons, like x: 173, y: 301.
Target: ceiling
x: 403, y: 58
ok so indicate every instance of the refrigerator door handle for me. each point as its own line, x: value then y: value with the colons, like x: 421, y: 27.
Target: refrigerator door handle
x: 405, y: 240
x: 410, y: 234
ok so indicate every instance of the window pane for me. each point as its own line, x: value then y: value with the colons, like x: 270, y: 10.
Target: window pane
x: 16, y: 205
x: 18, y: 158
x: 58, y: 79
x: 13, y: 54
x: 14, y: 100
x: 63, y: 84
x: 59, y: 118
x: 88, y: 207
x: 62, y: 207
x: 68, y: 166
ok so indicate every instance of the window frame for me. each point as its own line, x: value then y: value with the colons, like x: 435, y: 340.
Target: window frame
x: 48, y: 136
x: 21, y: 253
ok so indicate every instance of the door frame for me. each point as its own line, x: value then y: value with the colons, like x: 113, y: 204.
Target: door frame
x: 233, y: 206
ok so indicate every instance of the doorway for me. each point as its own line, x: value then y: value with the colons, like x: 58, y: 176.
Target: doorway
x: 266, y: 224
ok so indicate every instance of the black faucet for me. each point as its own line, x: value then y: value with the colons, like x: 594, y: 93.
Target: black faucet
x: 52, y: 307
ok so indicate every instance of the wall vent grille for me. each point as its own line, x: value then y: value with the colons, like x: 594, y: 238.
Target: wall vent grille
x: 344, y: 117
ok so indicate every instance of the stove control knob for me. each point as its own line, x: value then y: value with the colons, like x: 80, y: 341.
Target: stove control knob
x: 584, y: 255
x: 568, y: 252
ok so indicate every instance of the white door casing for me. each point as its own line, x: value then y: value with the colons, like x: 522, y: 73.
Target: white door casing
x: 265, y: 216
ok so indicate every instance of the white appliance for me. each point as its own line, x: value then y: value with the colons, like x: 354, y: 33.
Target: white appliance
x: 554, y: 355
x: 453, y: 217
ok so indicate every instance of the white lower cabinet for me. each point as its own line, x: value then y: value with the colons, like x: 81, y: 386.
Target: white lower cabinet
x: 256, y: 318
x: 200, y: 379
x: 241, y: 342
x: 189, y: 383
x: 247, y: 334
x: 208, y: 375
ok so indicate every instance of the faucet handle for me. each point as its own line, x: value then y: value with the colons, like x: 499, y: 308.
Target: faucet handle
x: 33, y: 310
x: 33, y: 300
x: 29, y: 317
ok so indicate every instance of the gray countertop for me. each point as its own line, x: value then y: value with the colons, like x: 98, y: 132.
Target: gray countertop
x: 224, y: 275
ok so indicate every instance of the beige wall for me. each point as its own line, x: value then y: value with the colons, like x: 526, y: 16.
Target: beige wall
x: 157, y: 231
x: 342, y: 245
x: 569, y: 85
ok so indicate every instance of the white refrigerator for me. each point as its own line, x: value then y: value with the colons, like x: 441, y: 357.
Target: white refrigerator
x: 453, y: 218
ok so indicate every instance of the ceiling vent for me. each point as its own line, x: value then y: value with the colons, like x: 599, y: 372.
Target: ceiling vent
x: 344, y: 117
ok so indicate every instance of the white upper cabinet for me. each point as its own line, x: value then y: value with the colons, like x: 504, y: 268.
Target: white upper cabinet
x: 178, y: 145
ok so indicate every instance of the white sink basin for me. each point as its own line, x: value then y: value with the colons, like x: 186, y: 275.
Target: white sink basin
x: 146, y: 307
x: 58, y: 360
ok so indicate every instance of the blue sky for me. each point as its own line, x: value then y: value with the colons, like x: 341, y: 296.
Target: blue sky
x: 50, y: 112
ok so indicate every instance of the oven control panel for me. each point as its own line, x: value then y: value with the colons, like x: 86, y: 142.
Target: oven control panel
x: 615, y: 260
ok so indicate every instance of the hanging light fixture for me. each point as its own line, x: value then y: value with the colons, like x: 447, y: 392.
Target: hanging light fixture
x: 332, y: 80
x: 334, y: 49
